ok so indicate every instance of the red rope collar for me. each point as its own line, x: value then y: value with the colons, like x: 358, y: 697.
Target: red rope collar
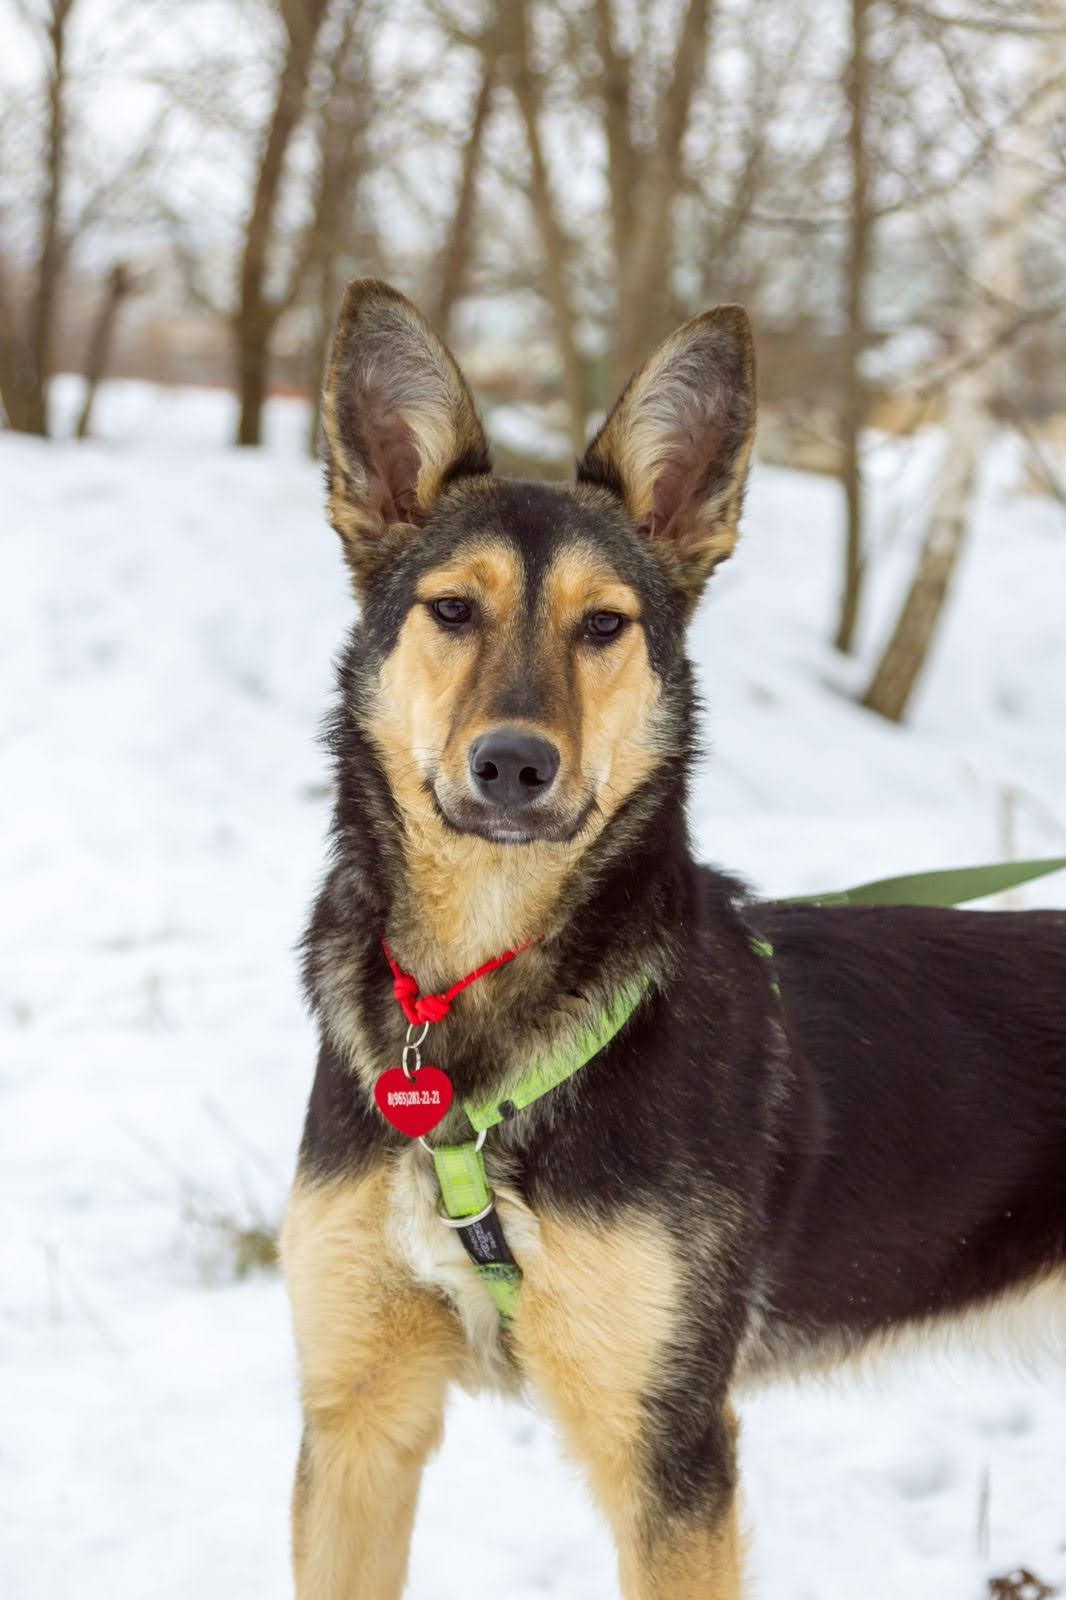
x: 435, y: 1007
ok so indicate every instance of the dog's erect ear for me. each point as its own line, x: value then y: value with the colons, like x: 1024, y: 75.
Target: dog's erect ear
x: 398, y: 418
x: 677, y: 444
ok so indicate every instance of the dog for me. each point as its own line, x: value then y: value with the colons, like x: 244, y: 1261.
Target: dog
x: 800, y: 1130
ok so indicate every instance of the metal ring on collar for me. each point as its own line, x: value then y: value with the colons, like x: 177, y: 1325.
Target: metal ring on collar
x: 464, y: 1222
x: 424, y: 1142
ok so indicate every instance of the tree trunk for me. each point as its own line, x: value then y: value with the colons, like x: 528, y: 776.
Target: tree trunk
x: 14, y: 357
x: 317, y: 356
x: 852, y: 388
x: 514, y: 34
x: 254, y: 361
x: 256, y: 315
x: 330, y: 286
x: 1017, y: 180
x: 454, y: 260
x: 644, y: 269
x: 966, y: 432
x: 119, y: 285
x: 342, y: 157
x: 622, y: 162
x: 29, y: 358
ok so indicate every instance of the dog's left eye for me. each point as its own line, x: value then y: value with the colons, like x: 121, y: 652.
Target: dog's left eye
x: 451, y: 611
x: 601, y: 625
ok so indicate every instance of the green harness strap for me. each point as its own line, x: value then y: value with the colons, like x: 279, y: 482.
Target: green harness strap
x: 465, y: 1192
x: 460, y: 1168
x: 560, y: 1065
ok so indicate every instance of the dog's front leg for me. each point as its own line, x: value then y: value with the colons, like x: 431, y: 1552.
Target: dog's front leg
x: 603, y: 1332
x: 377, y: 1352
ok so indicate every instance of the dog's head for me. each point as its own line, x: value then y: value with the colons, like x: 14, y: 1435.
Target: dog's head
x: 523, y: 638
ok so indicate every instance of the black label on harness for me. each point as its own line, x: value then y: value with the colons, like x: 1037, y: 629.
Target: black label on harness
x: 484, y: 1241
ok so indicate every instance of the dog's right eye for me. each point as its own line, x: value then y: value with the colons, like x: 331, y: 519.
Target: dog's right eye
x: 451, y: 611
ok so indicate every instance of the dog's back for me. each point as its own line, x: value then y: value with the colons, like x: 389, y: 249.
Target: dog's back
x: 926, y: 1162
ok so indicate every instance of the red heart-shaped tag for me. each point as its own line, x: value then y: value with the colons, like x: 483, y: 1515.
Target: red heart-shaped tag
x: 415, y: 1104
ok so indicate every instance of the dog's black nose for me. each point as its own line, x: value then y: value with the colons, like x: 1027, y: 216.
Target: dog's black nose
x: 511, y: 767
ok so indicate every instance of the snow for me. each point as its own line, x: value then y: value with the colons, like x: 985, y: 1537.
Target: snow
x: 167, y: 622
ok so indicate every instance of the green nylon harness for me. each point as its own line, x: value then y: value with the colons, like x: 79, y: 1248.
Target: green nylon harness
x: 464, y: 1186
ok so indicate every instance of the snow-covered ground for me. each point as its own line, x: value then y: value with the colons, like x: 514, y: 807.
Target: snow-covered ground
x: 168, y: 612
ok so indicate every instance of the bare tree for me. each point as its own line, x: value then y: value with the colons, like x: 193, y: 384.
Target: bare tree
x: 992, y: 318
x: 513, y: 25
x: 26, y: 357
x: 81, y: 187
x: 452, y: 265
x: 856, y: 331
x: 594, y: 76
x: 616, y: 91
x: 258, y: 310
x: 645, y: 261
x: 343, y: 126
x: 121, y: 283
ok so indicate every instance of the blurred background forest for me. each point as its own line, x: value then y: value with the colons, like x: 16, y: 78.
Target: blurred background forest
x: 184, y: 191
x: 185, y: 187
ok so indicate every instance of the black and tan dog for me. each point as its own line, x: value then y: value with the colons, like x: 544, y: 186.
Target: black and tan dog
x: 774, y: 1162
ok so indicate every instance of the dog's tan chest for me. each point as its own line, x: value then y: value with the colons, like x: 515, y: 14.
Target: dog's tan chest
x: 435, y: 1257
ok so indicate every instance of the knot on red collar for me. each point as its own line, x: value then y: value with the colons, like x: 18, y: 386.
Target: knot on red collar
x: 435, y: 1007
x: 405, y: 989
x: 419, y: 1008
x: 432, y: 1008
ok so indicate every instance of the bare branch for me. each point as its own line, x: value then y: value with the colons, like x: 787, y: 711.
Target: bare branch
x: 645, y: 267
x: 515, y: 60
x: 1020, y: 27
x: 455, y: 255
x: 623, y: 160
